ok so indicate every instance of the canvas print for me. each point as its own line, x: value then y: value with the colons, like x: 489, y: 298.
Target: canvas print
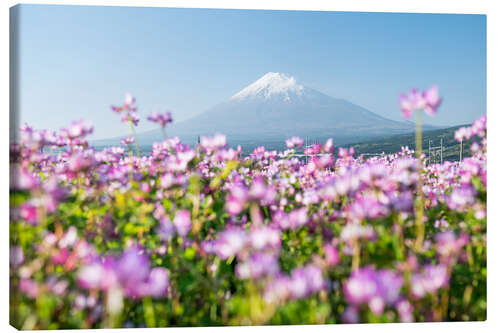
x: 215, y: 167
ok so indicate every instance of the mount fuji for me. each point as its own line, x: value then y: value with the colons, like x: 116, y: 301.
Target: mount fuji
x: 276, y: 107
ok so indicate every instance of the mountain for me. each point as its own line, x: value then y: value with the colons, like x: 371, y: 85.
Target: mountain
x: 276, y: 107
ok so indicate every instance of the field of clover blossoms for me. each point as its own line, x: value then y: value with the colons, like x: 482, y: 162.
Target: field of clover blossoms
x: 197, y: 236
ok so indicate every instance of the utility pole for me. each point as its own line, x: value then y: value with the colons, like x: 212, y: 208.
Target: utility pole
x: 430, y: 161
x: 307, y: 143
x: 461, y: 149
x: 441, y: 150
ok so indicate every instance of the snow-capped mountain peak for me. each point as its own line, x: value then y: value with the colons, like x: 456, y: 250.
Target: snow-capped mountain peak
x: 269, y: 85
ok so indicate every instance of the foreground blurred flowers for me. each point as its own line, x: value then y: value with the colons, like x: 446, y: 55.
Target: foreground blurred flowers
x: 205, y: 236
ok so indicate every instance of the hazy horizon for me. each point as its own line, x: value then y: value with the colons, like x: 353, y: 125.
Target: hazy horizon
x: 75, y: 61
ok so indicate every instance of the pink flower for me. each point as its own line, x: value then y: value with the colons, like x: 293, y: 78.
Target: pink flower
x: 16, y: 256
x: 328, y: 146
x: 230, y: 242
x: 405, y: 105
x: 432, y: 278
x: 161, y: 118
x: 29, y: 287
x: 182, y: 222
x: 78, y: 129
x: 29, y: 213
x: 428, y: 101
x: 234, y: 206
x: 294, y: 142
x: 331, y: 255
x: 132, y: 117
x: 158, y: 282
x: 432, y: 99
x: 128, y: 104
x: 265, y: 237
x: 128, y: 140
x: 61, y: 256
x: 213, y: 143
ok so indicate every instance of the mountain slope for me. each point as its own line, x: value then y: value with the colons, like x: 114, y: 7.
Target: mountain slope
x: 392, y: 144
x: 276, y: 107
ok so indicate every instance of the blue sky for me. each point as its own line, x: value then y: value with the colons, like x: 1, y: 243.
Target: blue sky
x: 75, y: 61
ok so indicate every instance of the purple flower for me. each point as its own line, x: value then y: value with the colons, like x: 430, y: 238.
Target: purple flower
x: 402, y: 201
x: 260, y: 191
x: 158, y: 282
x: 366, y: 207
x: 298, y: 283
x: 374, y: 288
x: 350, y: 315
x: 293, y: 220
x: 166, y: 229
x: 461, y: 198
x: 306, y: 280
x: 356, y: 231
x: 280, y: 218
x: 161, y: 118
x: 448, y: 244
x: 277, y: 289
x: 230, y: 242
x: 429, y: 281
x: 298, y: 217
x: 16, y: 256
x: 315, y: 278
x: 129, y: 275
x: 405, y: 311
x: 131, y: 117
x: 265, y: 237
x: 80, y: 161
x: 182, y: 222
x: 58, y: 287
x: 132, y: 269
x: 258, y: 265
x: 361, y: 286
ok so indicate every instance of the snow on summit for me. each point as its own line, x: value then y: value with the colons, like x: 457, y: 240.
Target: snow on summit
x: 271, y: 84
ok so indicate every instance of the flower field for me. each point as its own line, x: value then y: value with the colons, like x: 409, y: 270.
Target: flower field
x: 200, y: 236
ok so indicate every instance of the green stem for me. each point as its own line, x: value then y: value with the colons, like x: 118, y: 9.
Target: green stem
x: 149, y: 312
x: 419, y: 202
x: 355, y: 255
x: 164, y: 133
x: 137, y: 150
